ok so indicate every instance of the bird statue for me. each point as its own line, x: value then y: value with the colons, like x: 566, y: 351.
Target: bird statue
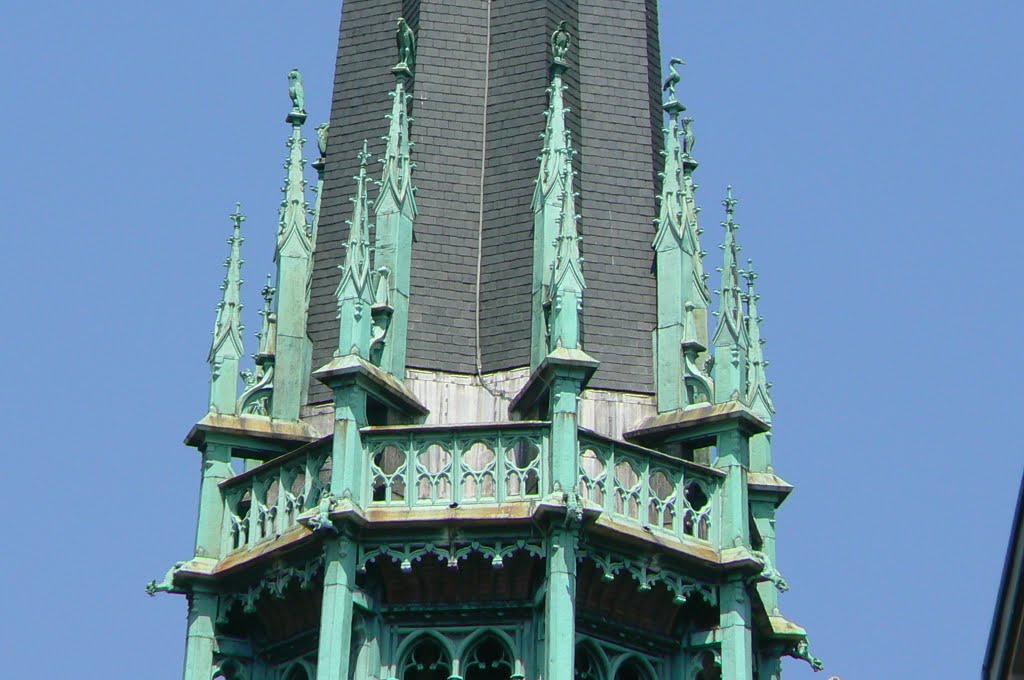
x: 321, y: 138
x: 560, y: 42
x: 673, y: 77
x: 295, y: 91
x: 406, y: 40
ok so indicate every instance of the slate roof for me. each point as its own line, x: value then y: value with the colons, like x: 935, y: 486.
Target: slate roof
x: 616, y: 123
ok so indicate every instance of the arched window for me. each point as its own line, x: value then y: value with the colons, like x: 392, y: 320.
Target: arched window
x: 297, y: 672
x: 229, y: 670
x: 488, y: 660
x: 709, y: 668
x: 632, y: 669
x: 427, y: 660
x: 587, y: 666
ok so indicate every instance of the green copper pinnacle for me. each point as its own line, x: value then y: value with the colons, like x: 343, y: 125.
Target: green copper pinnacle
x: 355, y: 296
x: 395, y: 216
x: 294, y: 258
x: 730, y: 339
x: 558, y: 282
x: 681, y: 338
x: 227, y: 347
x: 758, y: 395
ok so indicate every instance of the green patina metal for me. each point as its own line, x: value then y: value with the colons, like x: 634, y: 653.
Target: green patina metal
x: 227, y: 347
x: 385, y: 547
x: 396, y: 210
x: 681, y: 339
x: 259, y: 384
x: 294, y: 258
x: 730, y: 341
x: 355, y: 290
x: 557, y: 277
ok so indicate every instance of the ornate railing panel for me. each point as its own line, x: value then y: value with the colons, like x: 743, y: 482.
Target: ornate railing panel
x: 657, y: 491
x: 267, y: 501
x: 430, y: 467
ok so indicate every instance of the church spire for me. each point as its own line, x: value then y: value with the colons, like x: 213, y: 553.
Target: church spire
x: 293, y: 256
x: 555, y: 239
x: 396, y: 209
x: 758, y: 388
x: 355, y: 294
x: 731, y: 336
x: 227, y: 346
x: 683, y: 296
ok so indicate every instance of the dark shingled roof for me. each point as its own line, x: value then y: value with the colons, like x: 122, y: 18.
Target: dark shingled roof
x: 616, y: 123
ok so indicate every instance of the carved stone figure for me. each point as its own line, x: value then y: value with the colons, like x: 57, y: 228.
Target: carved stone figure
x: 689, y: 139
x: 295, y: 91
x: 802, y: 650
x: 406, y: 45
x: 673, y: 77
x: 322, y: 133
x: 560, y: 43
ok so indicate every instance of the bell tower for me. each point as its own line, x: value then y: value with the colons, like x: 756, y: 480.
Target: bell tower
x: 488, y: 433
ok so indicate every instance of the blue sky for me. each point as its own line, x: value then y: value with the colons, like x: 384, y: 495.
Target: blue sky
x: 874, y: 146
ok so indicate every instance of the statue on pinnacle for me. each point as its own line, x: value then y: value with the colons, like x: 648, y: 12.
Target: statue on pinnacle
x: 406, y: 40
x: 673, y: 78
x: 560, y: 43
x: 295, y: 91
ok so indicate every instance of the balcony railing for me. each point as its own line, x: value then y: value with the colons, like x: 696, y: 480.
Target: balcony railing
x: 267, y: 501
x: 438, y: 467
x: 659, y: 492
x: 433, y: 466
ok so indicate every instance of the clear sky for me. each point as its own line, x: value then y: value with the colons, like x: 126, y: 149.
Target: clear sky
x: 876, y: 151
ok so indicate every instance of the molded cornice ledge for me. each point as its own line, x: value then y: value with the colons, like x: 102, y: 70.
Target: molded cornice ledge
x: 701, y: 420
x: 254, y: 429
x: 560, y: 362
x: 379, y: 384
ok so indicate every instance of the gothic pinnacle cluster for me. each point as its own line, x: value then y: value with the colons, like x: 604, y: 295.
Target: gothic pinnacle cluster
x: 283, y: 346
x: 407, y: 518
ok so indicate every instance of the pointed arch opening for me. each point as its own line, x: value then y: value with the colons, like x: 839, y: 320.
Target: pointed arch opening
x: 708, y: 667
x: 634, y: 668
x: 590, y: 664
x: 489, y: 659
x: 297, y: 672
x: 427, y: 659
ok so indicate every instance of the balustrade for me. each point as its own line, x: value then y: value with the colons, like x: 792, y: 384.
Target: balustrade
x: 430, y: 467
x: 423, y: 467
x: 267, y: 501
x: 659, y: 492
